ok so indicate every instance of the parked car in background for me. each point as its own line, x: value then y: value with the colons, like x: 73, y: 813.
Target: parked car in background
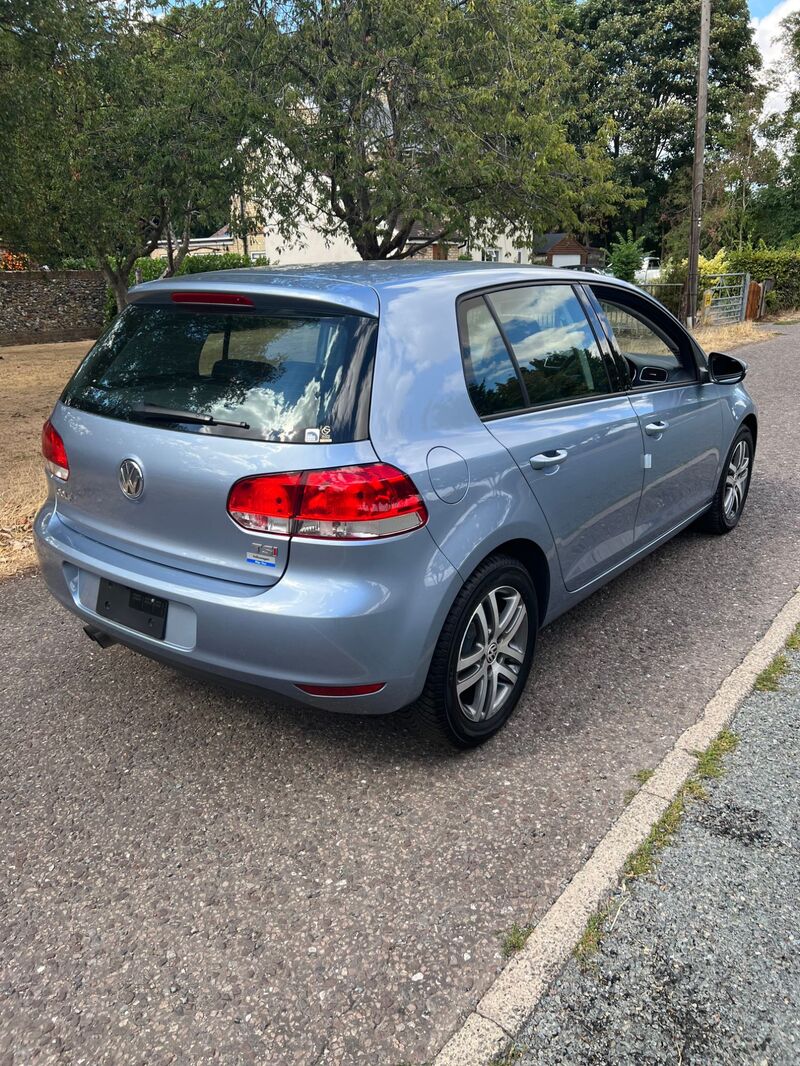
x: 650, y: 270
x: 367, y: 486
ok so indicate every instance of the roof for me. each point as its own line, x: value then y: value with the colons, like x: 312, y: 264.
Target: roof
x: 428, y: 233
x: 546, y: 243
x: 359, y: 286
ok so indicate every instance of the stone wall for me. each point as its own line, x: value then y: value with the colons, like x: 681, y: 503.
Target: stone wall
x: 51, y: 305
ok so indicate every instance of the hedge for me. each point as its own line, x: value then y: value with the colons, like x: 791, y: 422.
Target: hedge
x: 782, y: 266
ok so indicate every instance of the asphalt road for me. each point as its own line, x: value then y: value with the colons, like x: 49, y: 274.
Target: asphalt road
x: 188, y: 873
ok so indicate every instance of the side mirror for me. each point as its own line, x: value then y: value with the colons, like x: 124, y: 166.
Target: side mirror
x: 726, y: 369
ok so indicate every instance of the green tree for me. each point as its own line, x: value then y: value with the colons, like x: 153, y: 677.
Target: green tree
x: 776, y: 205
x: 626, y: 256
x: 641, y: 57
x: 433, y: 116
x: 126, y: 132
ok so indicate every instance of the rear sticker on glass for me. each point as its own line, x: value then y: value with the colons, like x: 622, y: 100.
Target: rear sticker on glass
x: 262, y: 555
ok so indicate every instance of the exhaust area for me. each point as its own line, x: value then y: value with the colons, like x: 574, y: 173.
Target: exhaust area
x: 98, y: 636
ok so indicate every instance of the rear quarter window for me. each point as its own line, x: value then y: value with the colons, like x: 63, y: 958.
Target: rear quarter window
x: 285, y: 377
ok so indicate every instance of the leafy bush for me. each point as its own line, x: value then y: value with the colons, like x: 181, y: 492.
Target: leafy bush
x: 152, y: 269
x: 782, y: 265
x: 83, y: 262
x: 626, y: 256
x: 673, y: 271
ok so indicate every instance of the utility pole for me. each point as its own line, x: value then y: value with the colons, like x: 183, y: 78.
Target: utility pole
x: 698, y: 166
x: 244, y: 223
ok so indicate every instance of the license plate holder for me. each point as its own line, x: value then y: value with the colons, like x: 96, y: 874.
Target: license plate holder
x: 132, y: 608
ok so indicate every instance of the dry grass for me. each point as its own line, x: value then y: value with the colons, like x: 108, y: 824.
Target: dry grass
x: 31, y: 379
x: 724, y: 338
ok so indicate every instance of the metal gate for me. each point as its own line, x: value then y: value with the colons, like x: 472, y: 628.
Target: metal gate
x: 724, y: 298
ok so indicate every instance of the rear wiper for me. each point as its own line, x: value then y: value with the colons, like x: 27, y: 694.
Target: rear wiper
x: 170, y: 414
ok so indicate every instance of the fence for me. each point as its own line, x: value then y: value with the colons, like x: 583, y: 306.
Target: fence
x: 723, y: 299
x: 668, y: 293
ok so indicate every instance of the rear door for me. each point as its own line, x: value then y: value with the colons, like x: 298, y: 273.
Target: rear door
x: 680, y: 416
x: 538, y: 377
x: 198, y: 397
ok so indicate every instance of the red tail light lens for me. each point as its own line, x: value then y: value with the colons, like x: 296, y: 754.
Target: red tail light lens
x: 348, y: 503
x: 229, y: 299
x: 54, y: 452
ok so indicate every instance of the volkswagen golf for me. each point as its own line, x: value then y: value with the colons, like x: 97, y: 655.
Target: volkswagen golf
x: 367, y: 486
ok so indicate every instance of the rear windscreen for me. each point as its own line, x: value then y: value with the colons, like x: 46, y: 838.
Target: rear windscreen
x: 292, y: 378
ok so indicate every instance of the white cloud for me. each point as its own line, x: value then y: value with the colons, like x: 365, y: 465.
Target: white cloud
x: 767, y: 30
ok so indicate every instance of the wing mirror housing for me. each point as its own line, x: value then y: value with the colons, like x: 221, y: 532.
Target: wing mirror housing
x: 726, y: 369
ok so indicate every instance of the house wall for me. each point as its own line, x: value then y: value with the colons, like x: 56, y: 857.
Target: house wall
x: 51, y: 305
x: 503, y: 250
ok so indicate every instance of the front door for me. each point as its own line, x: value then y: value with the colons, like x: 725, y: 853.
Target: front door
x: 680, y: 417
x: 538, y: 378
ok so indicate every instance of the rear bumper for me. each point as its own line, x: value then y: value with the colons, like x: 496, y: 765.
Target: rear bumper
x: 342, y: 614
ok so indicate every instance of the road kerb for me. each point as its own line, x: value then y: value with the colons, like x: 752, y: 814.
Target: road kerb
x: 517, y: 989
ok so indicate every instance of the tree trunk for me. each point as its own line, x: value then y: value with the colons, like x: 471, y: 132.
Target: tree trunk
x: 118, y: 283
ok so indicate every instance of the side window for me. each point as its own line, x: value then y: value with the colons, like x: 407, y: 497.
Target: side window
x: 653, y: 356
x: 553, y: 342
x: 491, y: 378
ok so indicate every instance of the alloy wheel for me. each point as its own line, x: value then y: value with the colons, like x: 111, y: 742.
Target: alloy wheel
x: 736, y: 480
x: 492, y: 653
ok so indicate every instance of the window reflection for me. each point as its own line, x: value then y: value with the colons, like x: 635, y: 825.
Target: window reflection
x: 282, y: 374
x: 554, y: 344
x: 491, y: 378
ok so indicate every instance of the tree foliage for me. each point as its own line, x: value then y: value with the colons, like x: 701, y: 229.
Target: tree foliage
x: 427, y: 116
x: 642, y: 58
x: 126, y: 132
x: 776, y: 203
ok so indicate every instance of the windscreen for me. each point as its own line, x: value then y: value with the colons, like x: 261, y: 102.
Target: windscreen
x: 274, y: 377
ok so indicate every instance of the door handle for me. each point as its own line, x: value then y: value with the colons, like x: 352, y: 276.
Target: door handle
x: 654, y: 429
x: 552, y: 458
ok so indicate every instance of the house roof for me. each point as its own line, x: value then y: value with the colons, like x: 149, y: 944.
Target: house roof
x: 544, y: 244
x: 428, y: 233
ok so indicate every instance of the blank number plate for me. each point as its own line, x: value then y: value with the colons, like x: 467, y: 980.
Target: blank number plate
x: 131, y: 608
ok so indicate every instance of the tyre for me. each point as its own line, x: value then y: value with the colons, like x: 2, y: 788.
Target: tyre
x: 483, y: 656
x: 726, y: 508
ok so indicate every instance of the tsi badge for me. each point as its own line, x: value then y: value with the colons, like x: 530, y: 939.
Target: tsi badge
x: 262, y: 555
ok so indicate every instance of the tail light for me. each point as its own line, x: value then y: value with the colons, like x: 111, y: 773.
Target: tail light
x: 227, y: 299
x: 348, y: 503
x: 54, y: 452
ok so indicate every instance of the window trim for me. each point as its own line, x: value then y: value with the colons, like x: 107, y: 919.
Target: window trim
x: 485, y: 291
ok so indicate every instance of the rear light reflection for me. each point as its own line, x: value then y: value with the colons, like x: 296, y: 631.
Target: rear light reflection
x: 341, y: 690
x: 347, y: 503
x: 54, y: 452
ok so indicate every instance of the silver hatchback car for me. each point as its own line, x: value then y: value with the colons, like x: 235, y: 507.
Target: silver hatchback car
x: 367, y: 486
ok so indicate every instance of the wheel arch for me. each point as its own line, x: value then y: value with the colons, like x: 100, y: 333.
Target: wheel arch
x: 535, y: 562
x: 751, y: 422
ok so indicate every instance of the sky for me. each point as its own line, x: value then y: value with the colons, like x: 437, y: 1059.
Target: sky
x: 767, y: 16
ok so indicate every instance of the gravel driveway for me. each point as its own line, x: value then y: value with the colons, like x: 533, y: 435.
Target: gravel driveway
x: 188, y: 872
x: 703, y: 964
